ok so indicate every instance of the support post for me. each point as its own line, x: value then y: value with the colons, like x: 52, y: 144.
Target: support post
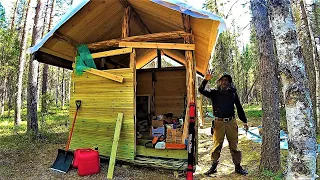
x: 191, y: 73
x: 133, y: 67
x: 126, y: 22
x: 159, y: 57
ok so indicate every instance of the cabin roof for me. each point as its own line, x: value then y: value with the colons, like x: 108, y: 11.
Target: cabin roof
x: 92, y: 21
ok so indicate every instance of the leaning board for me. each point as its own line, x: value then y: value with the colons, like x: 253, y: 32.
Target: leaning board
x: 102, y: 100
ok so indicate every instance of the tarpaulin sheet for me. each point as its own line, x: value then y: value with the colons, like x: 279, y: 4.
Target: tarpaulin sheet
x: 253, y: 134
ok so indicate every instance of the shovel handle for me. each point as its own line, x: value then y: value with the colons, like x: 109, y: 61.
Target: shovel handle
x: 78, y: 104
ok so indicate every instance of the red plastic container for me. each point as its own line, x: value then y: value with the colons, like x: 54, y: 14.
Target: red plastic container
x: 88, y: 162
x: 75, y: 155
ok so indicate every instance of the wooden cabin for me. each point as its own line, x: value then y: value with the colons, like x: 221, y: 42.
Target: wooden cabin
x: 123, y: 36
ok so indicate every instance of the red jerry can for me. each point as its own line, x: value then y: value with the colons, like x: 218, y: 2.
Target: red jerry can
x: 88, y: 162
x: 75, y: 155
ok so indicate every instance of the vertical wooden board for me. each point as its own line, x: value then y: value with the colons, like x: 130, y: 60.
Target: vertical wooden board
x: 102, y: 99
x: 133, y: 65
x: 115, y: 146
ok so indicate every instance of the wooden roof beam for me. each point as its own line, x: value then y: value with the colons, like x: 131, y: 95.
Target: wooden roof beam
x: 148, y: 37
x: 66, y: 39
x: 136, y: 17
x: 111, y: 53
x: 153, y: 45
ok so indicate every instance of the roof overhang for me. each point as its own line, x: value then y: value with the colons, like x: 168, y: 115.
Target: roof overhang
x: 92, y: 21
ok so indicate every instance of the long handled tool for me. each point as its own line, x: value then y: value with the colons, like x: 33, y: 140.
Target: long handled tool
x: 65, y: 157
x: 191, y: 138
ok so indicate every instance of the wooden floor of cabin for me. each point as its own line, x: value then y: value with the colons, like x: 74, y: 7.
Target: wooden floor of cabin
x: 153, y: 162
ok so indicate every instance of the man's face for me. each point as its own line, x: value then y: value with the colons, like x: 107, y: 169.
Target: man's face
x: 224, y: 83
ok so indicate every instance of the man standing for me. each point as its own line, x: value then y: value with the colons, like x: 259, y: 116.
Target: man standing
x: 223, y: 100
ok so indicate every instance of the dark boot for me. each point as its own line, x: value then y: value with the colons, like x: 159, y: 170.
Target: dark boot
x: 212, y: 170
x: 240, y: 170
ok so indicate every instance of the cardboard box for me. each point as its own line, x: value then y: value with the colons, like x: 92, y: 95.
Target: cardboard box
x: 157, y: 123
x: 158, y: 131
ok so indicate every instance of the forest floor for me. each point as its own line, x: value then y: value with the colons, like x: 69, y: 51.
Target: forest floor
x: 22, y: 157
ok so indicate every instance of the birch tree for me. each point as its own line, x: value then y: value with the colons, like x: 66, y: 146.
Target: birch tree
x: 22, y: 62
x: 305, y: 37
x: 298, y: 105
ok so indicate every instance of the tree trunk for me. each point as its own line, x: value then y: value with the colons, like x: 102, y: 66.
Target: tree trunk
x: 270, y: 149
x: 10, y: 94
x: 301, y: 126
x: 44, y: 101
x: 316, y: 43
x: 22, y: 61
x: 14, y: 15
x: 32, y: 124
x: 4, y: 94
x: 305, y: 37
x: 57, y: 87
x: 63, y: 91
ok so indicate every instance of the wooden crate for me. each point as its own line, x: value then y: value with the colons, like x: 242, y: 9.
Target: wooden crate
x: 174, y: 135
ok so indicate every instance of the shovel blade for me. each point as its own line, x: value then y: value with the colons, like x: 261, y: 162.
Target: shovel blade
x: 63, y: 161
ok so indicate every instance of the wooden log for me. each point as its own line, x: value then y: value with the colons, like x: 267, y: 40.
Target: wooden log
x: 142, y: 38
x: 126, y: 22
x: 55, y: 53
x: 154, y: 45
x: 136, y: 17
x: 133, y: 59
x: 105, y: 75
x: 133, y: 66
x: 115, y: 146
x: 191, y: 74
x: 66, y: 39
x: 111, y: 53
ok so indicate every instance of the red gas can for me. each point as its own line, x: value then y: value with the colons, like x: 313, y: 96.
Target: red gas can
x: 88, y: 162
x: 75, y: 159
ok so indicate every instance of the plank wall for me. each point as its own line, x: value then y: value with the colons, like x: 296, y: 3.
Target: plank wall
x: 170, y: 89
x: 102, y: 100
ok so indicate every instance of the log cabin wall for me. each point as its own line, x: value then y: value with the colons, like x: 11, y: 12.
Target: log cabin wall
x: 170, y: 88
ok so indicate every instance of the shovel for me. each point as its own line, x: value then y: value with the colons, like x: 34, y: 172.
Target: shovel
x: 65, y: 157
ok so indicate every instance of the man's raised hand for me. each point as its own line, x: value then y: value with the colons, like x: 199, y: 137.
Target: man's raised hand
x: 209, y: 75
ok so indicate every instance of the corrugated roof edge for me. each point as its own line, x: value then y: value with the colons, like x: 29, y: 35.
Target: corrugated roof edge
x: 70, y: 12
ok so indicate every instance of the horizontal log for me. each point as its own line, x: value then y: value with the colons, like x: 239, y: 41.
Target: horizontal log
x: 148, y: 37
x: 111, y: 53
x: 53, y: 60
x: 153, y: 45
x: 55, y: 53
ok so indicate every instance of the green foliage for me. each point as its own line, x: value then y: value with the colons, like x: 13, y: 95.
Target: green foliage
x: 2, y: 16
x: 272, y: 175
x: 253, y: 111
